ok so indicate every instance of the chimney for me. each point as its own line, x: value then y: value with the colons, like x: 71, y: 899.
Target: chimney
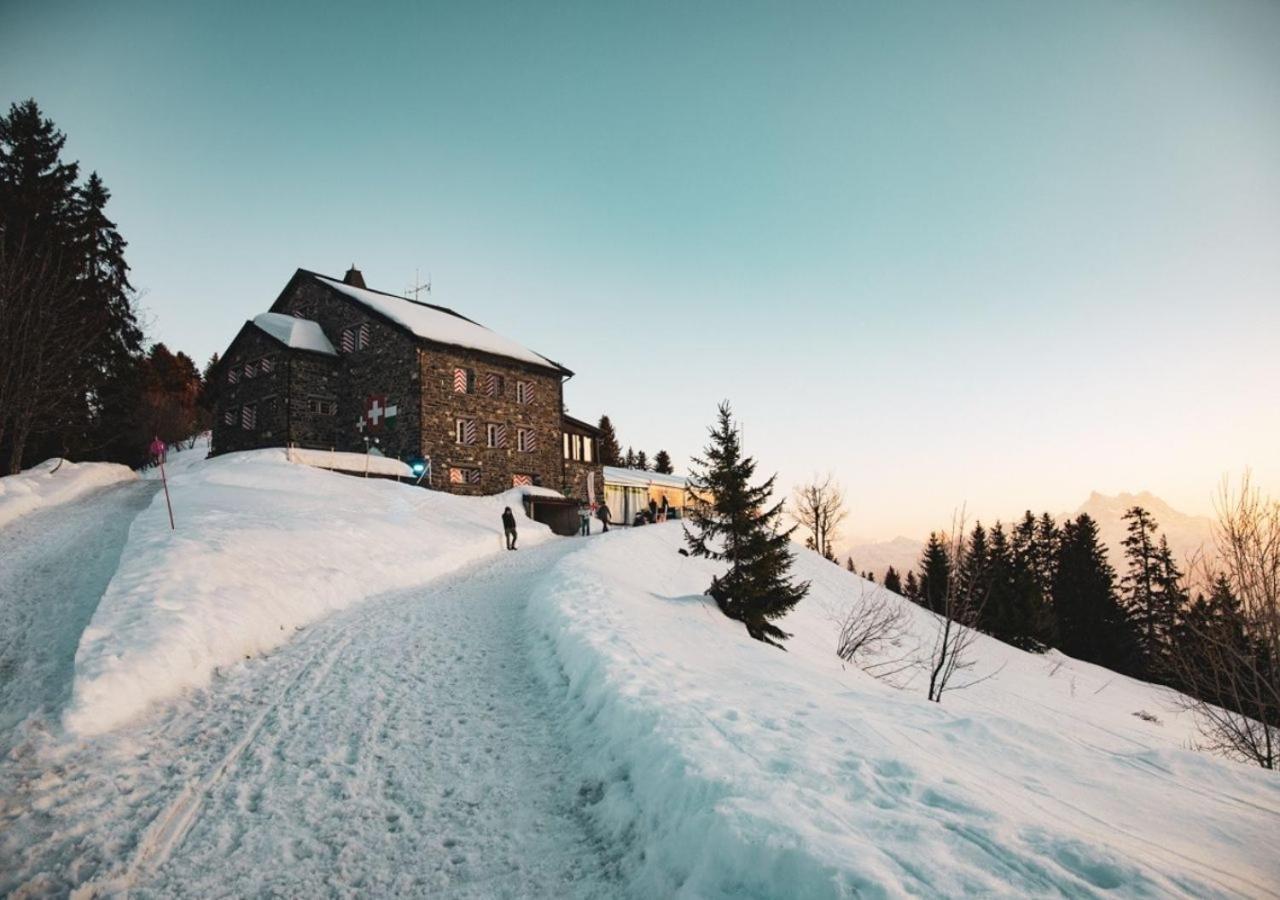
x: 353, y: 277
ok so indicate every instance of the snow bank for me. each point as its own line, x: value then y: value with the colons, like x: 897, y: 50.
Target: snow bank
x: 52, y: 482
x: 350, y: 462
x: 262, y: 548
x: 729, y: 768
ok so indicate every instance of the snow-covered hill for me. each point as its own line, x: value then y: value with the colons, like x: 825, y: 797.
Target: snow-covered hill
x: 263, y: 547
x: 328, y: 684
x: 737, y: 769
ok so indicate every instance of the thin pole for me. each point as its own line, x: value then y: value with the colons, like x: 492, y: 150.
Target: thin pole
x: 167, y: 503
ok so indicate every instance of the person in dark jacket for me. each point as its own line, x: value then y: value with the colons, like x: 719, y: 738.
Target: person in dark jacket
x: 603, y: 514
x: 509, y: 527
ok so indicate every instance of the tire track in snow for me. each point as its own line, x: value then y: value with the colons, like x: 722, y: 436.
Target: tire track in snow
x: 171, y: 826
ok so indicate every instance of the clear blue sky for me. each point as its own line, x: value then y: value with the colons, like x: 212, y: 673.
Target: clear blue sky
x: 995, y: 252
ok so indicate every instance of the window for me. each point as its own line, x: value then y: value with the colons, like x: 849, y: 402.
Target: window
x: 363, y: 340
x: 464, y: 381
x: 461, y: 475
x: 348, y: 340
x: 524, y: 392
x: 520, y: 479
x: 465, y: 431
x: 493, y: 385
x: 318, y: 406
x: 249, y: 416
x: 251, y: 368
x: 579, y: 447
x: 229, y: 417
x: 266, y: 365
x: 526, y: 440
x: 495, y: 434
x: 233, y: 375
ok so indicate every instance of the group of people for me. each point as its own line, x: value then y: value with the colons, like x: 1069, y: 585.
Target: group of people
x: 654, y: 514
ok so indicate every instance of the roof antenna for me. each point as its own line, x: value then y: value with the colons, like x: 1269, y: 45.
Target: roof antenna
x: 418, y: 286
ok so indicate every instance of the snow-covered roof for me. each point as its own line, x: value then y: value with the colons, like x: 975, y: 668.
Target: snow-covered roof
x: 636, y: 478
x: 439, y: 324
x: 299, y: 334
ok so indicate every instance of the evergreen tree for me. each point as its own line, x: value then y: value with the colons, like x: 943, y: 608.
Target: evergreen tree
x: 911, y: 588
x: 69, y: 340
x: 740, y: 528
x: 848, y: 563
x: 973, y: 568
x: 610, y: 452
x: 1152, y: 590
x: 935, y: 574
x: 1003, y: 612
x: 870, y: 576
x: 642, y: 461
x: 629, y: 461
x: 892, y: 581
x: 662, y: 463
x: 1091, y: 623
x: 1031, y: 584
x: 111, y: 361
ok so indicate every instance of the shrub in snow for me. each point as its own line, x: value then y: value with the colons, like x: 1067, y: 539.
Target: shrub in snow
x: 739, y: 527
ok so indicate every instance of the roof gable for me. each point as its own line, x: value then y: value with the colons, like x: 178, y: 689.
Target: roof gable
x: 435, y: 323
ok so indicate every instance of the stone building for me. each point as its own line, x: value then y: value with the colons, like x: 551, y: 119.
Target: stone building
x: 336, y: 365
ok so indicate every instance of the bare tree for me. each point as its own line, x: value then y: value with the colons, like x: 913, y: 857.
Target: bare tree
x: 1228, y: 658
x: 877, y: 618
x: 956, y: 622
x: 819, y: 509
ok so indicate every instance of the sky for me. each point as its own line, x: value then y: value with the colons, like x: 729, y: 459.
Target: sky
x: 998, y: 254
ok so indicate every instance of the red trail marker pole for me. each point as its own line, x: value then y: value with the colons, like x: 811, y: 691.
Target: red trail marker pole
x: 158, y: 451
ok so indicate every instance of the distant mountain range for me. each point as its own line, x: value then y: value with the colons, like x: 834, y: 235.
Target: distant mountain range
x: 1187, y: 534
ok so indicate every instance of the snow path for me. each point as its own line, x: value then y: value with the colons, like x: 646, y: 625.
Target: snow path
x: 54, y: 565
x: 404, y: 747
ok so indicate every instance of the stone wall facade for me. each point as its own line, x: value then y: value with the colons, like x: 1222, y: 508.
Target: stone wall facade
x: 574, y: 482
x: 292, y: 394
x: 487, y: 404
x: 386, y: 366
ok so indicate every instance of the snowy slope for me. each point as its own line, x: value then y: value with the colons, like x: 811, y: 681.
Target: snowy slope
x: 731, y: 768
x: 52, y: 482
x: 262, y: 548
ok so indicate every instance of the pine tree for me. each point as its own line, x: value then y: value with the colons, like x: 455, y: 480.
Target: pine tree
x: 892, y: 581
x: 111, y: 361
x: 1002, y: 612
x: 662, y: 463
x: 848, y: 563
x: 869, y: 576
x: 610, y: 452
x: 1151, y: 589
x: 70, y: 345
x: 935, y: 574
x: 642, y: 461
x: 740, y: 528
x: 1031, y: 584
x: 911, y: 588
x: 1091, y: 623
x: 973, y: 569
x: 629, y: 461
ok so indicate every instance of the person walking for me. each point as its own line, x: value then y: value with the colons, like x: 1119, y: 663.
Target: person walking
x: 603, y: 514
x: 509, y: 527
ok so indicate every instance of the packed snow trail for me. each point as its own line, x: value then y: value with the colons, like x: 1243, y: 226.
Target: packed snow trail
x: 54, y: 565
x: 404, y: 747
